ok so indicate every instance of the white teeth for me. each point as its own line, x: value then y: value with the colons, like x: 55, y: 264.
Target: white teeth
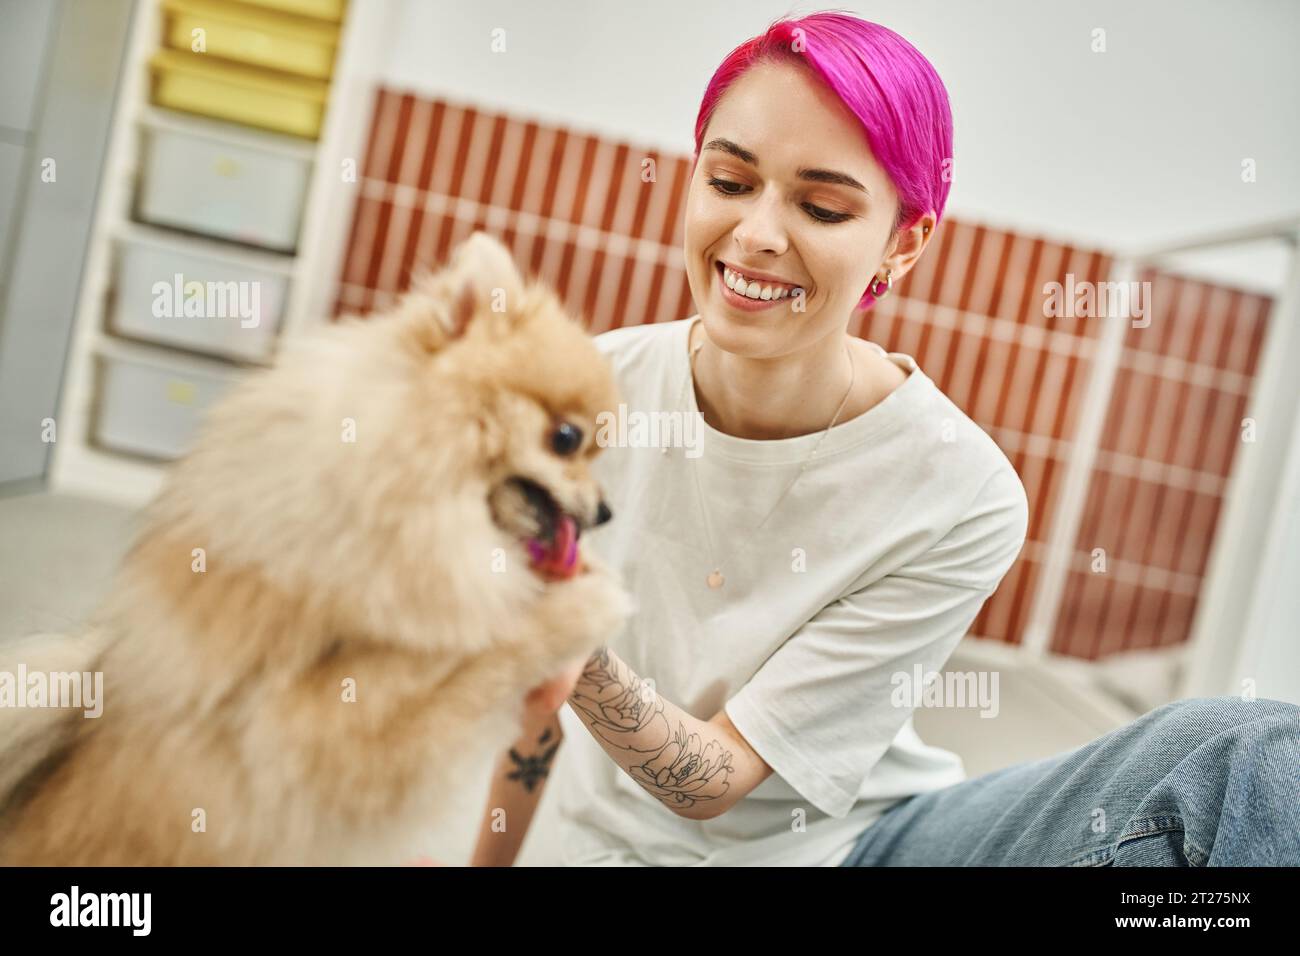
x: 754, y: 289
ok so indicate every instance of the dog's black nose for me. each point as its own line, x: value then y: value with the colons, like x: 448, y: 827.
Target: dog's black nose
x: 603, y: 513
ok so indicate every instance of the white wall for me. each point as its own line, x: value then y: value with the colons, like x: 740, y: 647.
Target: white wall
x: 1139, y: 145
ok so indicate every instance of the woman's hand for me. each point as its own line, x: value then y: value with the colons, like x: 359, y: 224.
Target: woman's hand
x: 539, y: 709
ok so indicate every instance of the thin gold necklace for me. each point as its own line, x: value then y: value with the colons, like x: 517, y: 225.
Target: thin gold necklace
x: 715, y: 578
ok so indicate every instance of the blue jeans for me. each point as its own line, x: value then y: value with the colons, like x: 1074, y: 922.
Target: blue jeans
x: 1210, y: 781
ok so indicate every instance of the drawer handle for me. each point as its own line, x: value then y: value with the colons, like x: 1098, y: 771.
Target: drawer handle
x: 182, y: 393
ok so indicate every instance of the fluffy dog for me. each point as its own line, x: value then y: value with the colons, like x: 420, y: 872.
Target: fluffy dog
x: 339, y: 599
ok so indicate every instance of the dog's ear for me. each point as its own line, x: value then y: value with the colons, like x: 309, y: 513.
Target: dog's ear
x: 481, y: 276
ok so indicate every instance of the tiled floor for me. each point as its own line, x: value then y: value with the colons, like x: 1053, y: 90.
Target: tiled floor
x: 57, y: 554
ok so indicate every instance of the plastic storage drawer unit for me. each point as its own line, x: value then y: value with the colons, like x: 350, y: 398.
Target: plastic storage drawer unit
x: 198, y: 83
x: 218, y: 188
x: 255, y: 37
x: 196, y: 302
x: 153, y: 410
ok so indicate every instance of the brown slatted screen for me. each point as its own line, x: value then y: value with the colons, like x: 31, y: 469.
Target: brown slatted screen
x: 577, y: 212
x: 573, y: 208
x: 1172, y: 430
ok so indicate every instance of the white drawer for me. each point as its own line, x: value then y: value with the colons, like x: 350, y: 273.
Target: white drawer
x: 222, y: 189
x: 153, y: 410
x: 198, y: 302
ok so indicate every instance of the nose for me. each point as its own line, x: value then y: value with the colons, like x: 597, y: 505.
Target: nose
x: 761, y: 230
x: 603, y: 513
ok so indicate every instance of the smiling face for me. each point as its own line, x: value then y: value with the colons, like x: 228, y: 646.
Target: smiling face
x: 785, y: 189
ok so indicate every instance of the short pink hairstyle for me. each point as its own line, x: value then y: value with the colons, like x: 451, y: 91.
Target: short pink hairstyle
x: 884, y: 81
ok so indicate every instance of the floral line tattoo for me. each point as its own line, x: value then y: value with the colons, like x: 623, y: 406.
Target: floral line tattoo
x: 674, y: 766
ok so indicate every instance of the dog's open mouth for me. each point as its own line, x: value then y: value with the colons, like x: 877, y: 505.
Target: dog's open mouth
x: 550, y: 533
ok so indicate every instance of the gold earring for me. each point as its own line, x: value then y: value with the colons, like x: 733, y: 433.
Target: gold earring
x: 874, y: 288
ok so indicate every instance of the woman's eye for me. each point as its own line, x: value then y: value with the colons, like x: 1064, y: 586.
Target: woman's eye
x: 728, y: 188
x: 721, y: 184
x: 566, y: 439
x: 825, y: 215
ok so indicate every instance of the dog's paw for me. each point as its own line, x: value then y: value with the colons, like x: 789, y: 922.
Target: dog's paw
x: 587, y: 610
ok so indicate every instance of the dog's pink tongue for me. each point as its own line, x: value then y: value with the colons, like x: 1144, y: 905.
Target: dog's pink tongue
x: 560, y: 560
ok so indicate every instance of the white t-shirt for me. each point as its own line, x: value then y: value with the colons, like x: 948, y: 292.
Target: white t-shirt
x: 878, y: 560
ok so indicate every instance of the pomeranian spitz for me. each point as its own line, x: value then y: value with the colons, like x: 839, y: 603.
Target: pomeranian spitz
x: 340, y: 598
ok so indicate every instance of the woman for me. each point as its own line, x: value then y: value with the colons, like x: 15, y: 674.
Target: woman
x: 839, y: 527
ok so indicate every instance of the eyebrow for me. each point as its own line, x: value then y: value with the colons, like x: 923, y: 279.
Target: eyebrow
x: 812, y: 175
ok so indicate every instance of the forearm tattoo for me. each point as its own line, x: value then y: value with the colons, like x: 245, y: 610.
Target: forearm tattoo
x: 678, y: 768
x: 532, y: 770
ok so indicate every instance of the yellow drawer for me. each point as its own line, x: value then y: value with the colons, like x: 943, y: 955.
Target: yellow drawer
x: 331, y: 10
x: 198, y: 84
x: 248, y: 35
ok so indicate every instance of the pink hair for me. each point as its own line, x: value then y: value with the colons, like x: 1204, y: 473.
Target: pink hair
x: 884, y: 81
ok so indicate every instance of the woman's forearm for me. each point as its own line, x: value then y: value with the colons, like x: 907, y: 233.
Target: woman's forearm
x: 684, y: 762
x: 517, y: 782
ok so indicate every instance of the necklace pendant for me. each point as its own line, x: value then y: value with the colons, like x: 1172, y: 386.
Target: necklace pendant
x: 715, y: 579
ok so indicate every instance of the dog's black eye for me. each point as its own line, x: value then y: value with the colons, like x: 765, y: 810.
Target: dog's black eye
x: 566, y: 439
